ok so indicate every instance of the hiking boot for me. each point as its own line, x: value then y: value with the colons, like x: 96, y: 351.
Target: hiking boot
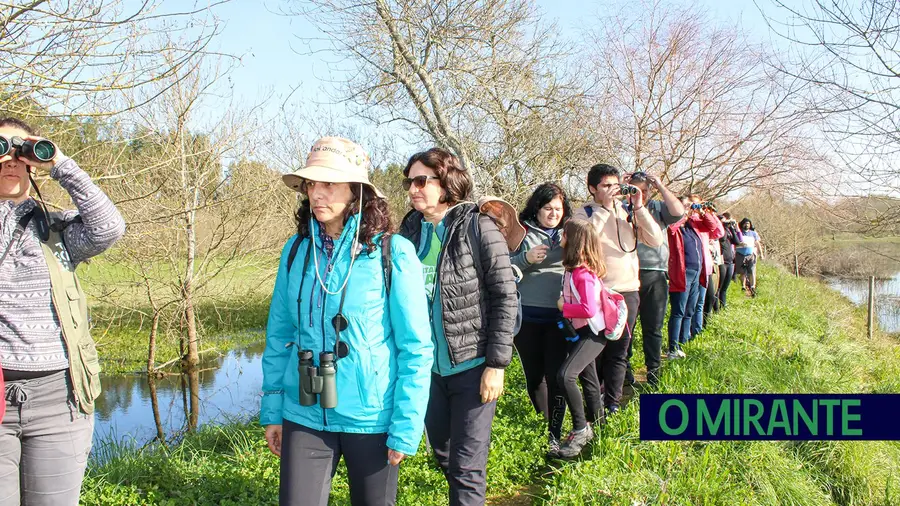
x: 575, y: 443
x: 612, y: 409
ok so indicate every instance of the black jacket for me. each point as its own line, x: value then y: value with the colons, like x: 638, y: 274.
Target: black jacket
x: 479, y: 304
x: 728, y: 242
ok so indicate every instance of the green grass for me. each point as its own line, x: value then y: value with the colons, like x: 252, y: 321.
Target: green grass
x: 795, y: 337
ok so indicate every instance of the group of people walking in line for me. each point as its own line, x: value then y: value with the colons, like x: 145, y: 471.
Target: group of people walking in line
x: 378, y: 332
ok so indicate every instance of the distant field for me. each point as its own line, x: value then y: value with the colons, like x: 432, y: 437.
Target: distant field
x: 231, y: 310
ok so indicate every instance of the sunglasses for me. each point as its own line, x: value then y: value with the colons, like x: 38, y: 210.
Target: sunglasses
x: 419, y: 181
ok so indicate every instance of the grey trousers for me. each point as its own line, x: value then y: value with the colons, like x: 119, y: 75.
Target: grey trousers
x: 459, y: 430
x: 309, y: 459
x: 44, y: 443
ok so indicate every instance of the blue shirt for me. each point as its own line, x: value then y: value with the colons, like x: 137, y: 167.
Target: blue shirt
x: 693, y: 252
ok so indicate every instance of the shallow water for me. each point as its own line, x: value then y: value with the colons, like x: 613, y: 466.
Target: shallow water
x: 225, y: 388
x: 887, y: 298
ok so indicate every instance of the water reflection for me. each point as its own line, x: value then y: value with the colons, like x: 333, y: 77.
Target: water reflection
x: 138, y: 410
x: 887, y: 298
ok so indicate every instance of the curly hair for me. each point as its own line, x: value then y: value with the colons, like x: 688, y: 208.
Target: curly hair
x: 376, y: 216
x: 542, y: 196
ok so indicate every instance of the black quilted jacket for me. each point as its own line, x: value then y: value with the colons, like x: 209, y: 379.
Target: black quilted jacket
x: 479, y: 305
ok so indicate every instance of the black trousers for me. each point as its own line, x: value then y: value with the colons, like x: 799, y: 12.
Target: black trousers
x: 310, y: 457
x: 581, y: 363
x: 613, y: 362
x: 654, y: 299
x: 542, y: 350
x: 459, y: 430
x: 725, y: 278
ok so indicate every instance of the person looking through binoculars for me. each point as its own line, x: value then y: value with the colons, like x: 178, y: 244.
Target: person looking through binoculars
x: 347, y: 364
x: 621, y: 225
x: 654, y: 266
x: 50, y: 363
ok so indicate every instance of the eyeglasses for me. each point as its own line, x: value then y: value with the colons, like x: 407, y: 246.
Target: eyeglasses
x: 419, y: 181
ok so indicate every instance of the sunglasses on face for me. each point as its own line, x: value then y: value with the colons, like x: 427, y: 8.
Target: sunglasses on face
x: 419, y: 181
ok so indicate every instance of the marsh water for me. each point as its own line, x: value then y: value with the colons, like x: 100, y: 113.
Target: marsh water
x: 887, y: 298
x: 134, y: 410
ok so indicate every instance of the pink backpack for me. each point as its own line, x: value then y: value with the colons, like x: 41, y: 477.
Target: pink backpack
x: 613, y: 310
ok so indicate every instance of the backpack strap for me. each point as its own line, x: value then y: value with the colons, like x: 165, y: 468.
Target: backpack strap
x: 386, y: 265
x: 293, y: 253
x: 589, y: 210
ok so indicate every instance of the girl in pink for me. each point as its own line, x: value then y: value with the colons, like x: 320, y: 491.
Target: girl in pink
x: 582, y: 307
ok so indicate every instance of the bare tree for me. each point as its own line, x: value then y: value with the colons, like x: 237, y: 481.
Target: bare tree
x: 77, y: 56
x: 198, y: 211
x: 697, y: 103
x: 486, y: 79
x: 848, y: 52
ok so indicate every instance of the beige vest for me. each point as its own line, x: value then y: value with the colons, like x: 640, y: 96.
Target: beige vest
x: 71, y: 309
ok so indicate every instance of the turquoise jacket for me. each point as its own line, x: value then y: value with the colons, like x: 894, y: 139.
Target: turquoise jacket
x: 384, y: 381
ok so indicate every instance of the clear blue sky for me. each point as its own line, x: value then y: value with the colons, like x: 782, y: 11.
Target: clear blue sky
x: 270, y: 63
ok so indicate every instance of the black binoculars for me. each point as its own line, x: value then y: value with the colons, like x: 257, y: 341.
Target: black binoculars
x: 317, y: 381
x: 627, y: 189
x: 42, y: 150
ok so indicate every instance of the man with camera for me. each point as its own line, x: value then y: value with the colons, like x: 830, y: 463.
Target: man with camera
x: 622, y: 225
x: 654, y: 267
x: 49, y: 360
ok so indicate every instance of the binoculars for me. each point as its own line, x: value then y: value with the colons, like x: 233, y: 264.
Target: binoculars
x: 627, y: 189
x: 317, y: 381
x: 704, y: 205
x: 42, y: 150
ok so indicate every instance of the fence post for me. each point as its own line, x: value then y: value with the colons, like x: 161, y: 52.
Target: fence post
x: 870, y: 322
x: 796, y: 265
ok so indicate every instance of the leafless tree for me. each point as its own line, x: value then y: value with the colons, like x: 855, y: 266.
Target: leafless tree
x: 697, y: 102
x: 76, y: 57
x: 198, y: 211
x: 848, y: 53
x: 487, y: 79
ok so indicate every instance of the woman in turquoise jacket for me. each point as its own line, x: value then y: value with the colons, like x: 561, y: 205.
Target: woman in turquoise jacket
x: 347, y: 365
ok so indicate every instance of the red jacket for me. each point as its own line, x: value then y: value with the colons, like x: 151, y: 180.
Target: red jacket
x: 707, y: 227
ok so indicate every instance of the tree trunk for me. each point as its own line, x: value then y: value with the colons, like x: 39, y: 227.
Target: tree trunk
x: 194, y: 385
x: 151, y: 351
x: 154, y: 404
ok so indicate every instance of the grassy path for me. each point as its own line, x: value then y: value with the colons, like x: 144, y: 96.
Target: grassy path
x: 797, y: 336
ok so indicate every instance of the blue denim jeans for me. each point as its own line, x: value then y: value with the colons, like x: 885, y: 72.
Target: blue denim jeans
x: 683, y: 306
x: 697, y: 319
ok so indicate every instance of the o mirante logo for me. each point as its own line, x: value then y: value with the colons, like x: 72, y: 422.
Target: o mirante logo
x: 769, y: 417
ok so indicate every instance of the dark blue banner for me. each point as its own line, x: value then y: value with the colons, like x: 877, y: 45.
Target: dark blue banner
x: 770, y: 417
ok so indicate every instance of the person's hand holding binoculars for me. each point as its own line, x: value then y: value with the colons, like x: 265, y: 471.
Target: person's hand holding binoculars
x: 33, y: 151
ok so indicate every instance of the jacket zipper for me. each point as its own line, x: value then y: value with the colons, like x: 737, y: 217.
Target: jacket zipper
x: 440, y: 285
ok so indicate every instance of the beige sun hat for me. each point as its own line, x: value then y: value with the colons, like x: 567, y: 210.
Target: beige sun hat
x: 506, y: 218
x: 333, y: 160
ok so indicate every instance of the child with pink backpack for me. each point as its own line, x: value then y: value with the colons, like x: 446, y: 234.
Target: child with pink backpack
x: 593, y: 315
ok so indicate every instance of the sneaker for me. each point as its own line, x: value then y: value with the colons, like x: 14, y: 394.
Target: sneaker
x: 673, y: 355
x: 612, y: 409
x: 681, y: 353
x: 553, y: 448
x: 575, y: 443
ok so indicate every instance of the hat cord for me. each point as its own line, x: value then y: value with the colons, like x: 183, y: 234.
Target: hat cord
x: 352, y: 250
